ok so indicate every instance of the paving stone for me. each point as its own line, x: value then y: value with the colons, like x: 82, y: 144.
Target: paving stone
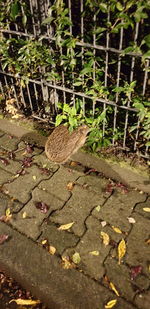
x: 13, y: 166
x: 9, y: 142
x: 4, y: 176
x: 30, y: 225
x: 58, y: 183
x: 78, y: 208
x: 43, y: 161
x: 59, y: 239
x: 95, y: 183
x: 139, y: 208
x: 21, y: 152
x: 6, y: 202
x: 22, y: 186
x: 119, y: 275
x: 142, y: 300
x: 118, y: 208
x: 91, y: 241
x: 138, y: 252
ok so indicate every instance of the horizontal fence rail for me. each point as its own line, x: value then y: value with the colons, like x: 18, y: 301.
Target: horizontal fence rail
x: 90, y: 61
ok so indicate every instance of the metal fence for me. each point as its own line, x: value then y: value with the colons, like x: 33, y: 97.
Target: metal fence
x: 107, y: 49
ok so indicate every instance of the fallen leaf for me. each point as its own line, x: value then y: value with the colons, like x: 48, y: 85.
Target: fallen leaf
x: 106, y: 238
x: 76, y: 258
x: 42, y: 206
x: 4, y: 161
x: 70, y: 186
x: 147, y: 241
x: 25, y: 302
x: 111, y: 304
x: 52, y: 250
x: 116, y: 229
x: 136, y: 270
x: 64, y: 227
x: 3, y: 238
x: 73, y: 163
x: 103, y: 223
x: 66, y: 263
x: 113, y: 288
x: 98, y: 208
x: 27, y: 162
x: 147, y: 209
x: 24, y: 215
x: 34, y: 178
x: 121, y: 250
x: 95, y: 253
x: 7, y: 212
x: 44, y: 242
x: 131, y: 220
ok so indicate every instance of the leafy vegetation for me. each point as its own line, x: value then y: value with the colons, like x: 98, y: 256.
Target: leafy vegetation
x: 61, y: 60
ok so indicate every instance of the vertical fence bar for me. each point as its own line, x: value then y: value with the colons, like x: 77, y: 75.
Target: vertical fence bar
x: 118, y: 82
x: 106, y: 67
x: 131, y: 79
x: 70, y: 16
x: 82, y: 48
x: 94, y: 64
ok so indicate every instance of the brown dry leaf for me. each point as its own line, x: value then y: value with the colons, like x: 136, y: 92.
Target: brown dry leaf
x: 52, y: 250
x: 95, y: 253
x: 25, y: 302
x: 73, y: 163
x: 121, y: 250
x: 113, y: 288
x: 64, y: 227
x: 147, y: 241
x: 66, y: 263
x: 147, y: 209
x: 70, y: 186
x: 106, y: 238
x: 111, y: 304
x: 116, y: 229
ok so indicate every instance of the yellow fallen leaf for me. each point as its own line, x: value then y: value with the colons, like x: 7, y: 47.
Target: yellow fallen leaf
x: 24, y: 215
x: 34, y: 177
x: 111, y: 304
x: 64, y: 227
x: 70, y: 186
x: 66, y: 263
x: 52, y: 250
x: 113, y: 288
x: 76, y: 258
x: 95, y: 253
x: 44, y: 242
x: 25, y: 302
x: 147, y: 209
x: 8, y: 213
x: 106, y: 238
x: 116, y: 229
x: 121, y: 250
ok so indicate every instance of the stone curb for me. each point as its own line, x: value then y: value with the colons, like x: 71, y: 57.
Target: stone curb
x: 112, y: 170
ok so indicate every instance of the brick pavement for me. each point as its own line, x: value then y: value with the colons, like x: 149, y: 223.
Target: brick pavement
x: 94, y: 206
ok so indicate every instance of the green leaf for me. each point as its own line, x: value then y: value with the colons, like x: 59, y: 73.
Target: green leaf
x: 148, y: 144
x: 14, y: 10
x: 24, y: 20
x: 119, y: 6
x: 47, y: 20
x: 78, y: 84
